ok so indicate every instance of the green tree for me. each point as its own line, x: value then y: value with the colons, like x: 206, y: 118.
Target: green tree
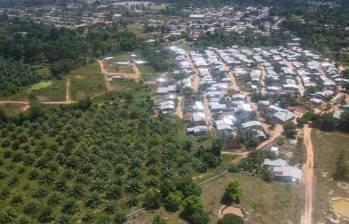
x: 173, y: 201
x: 290, y: 129
x: 158, y: 220
x: 342, y: 167
x: 231, y: 219
x: 193, y: 211
x: 152, y: 199
x: 233, y: 192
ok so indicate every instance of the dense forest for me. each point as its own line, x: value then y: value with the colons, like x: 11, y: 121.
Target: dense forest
x: 94, y: 161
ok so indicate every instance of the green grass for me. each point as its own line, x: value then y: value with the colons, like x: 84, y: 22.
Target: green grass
x: 86, y: 81
x: 11, y: 110
x: 148, y: 72
x: 327, y: 146
x: 41, y: 85
x: 265, y: 202
x: 53, y: 90
x: 138, y: 30
x: 120, y: 85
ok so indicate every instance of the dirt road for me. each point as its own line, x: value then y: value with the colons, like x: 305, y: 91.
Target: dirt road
x: 308, y: 177
x: 274, y: 134
x: 105, y: 74
x: 179, y: 109
x: 208, y: 115
x: 67, y: 91
x: 196, y: 80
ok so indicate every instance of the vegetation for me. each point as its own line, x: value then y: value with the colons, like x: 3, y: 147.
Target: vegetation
x: 328, y: 161
x: 193, y: 210
x: 14, y: 75
x: 231, y: 219
x: 233, y: 192
x: 60, y: 49
x: 290, y: 129
x: 97, y: 158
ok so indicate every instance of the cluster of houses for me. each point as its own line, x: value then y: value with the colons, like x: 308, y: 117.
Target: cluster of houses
x: 283, y: 70
x: 228, y: 18
x: 269, y: 71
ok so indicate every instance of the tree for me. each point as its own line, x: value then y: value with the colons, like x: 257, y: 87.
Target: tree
x: 267, y: 174
x: 231, y: 219
x: 120, y: 217
x: 152, y: 199
x: 233, y: 192
x: 290, y: 129
x: 342, y: 167
x: 158, y: 220
x: 7, y: 215
x: 45, y: 215
x: 344, y: 121
x: 173, y: 201
x: 31, y: 207
x: 193, y: 210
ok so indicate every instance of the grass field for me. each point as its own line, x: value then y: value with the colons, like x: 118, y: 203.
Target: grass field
x: 11, y: 109
x: 265, y: 202
x: 53, y: 90
x: 86, y: 81
x: 138, y: 30
x: 148, y: 73
x: 119, y: 85
x: 327, y: 146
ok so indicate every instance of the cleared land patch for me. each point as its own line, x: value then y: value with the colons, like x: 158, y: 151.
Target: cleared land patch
x: 327, y: 147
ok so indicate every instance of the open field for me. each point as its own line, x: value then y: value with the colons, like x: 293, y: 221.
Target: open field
x: 138, y: 30
x: 12, y: 109
x: 327, y: 146
x: 265, y: 202
x: 53, y: 90
x: 148, y: 72
x: 86, y: 81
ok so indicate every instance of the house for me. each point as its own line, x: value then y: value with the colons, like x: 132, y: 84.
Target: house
x: 284, y: 115
x: 282, y: 171
x: 287, y: 174
x: 252, y: 125
x: 274, y: 163
x: 197, y: 130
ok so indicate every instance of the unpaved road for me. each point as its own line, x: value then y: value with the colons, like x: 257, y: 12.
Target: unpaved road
x: 196, y: 80
x: 105, y: 74
x: 67, y: 91
x: 308, y: 177
x: 274, y: 134
x: 179, y: 109
x: 208, y: 115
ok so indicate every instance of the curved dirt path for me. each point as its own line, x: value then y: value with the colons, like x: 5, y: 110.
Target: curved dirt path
x: 308, y: 177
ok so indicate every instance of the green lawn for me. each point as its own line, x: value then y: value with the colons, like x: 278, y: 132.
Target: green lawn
x: 327, y: 146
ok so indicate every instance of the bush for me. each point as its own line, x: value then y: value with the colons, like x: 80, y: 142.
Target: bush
x: 231, y: 219
x: 173, y: 201
x: 233, y: 192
